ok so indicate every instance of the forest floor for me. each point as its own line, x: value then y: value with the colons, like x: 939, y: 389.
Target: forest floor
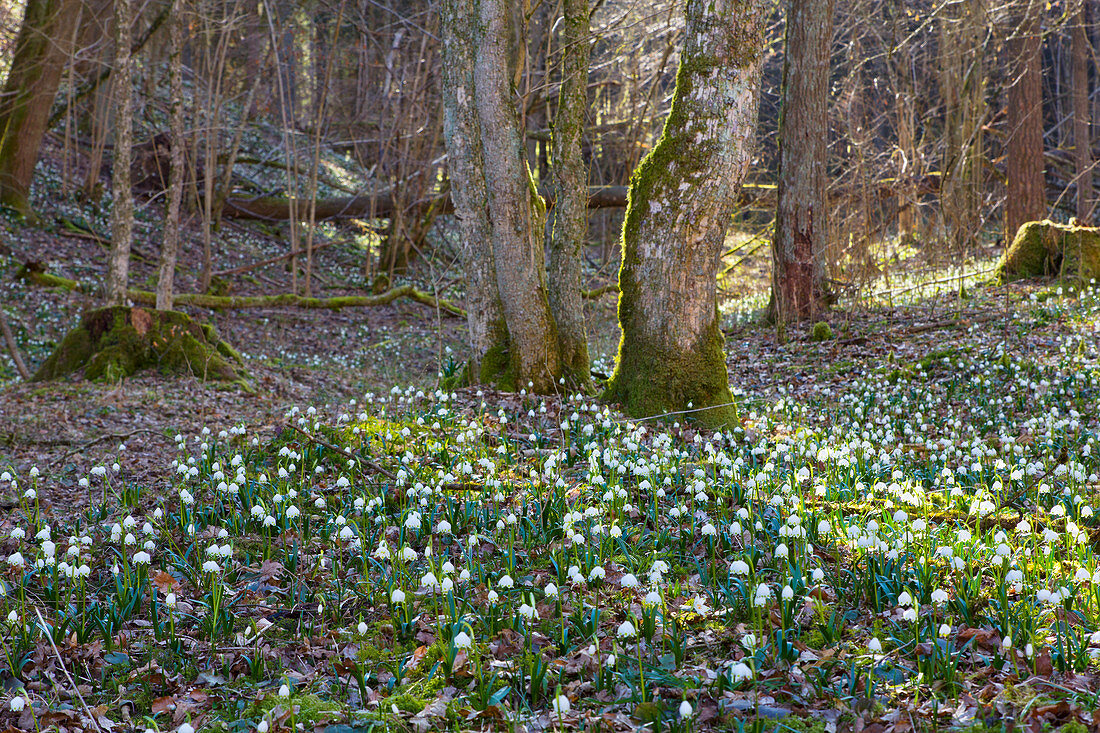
x: 896, y: 538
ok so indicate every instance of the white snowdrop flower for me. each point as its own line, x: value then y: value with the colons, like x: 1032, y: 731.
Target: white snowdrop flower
x: 875, y: 645
x: 628, y: 581
x: 462, y: 640
x: 444, y: 527
x: 597, y: 573
x: 788, y: 593
x: 429, y: 580
x: 142, y: 558
x: 492, y: 596
x: 447, y: 585
x: 16, y: 560
x: 945, y: 630
x: 781, y: 551
x: 818, y: 575
x: 185, y: 728
x: 210, y: 566
x: 18, y: 533
x: 551, y: 590
x: 284, y: 691
x: 939, y: 596
x: 17, y: 703
x: 362, y: 628
x: 905, y: 599
x: 528, y: 612
x: 626, y: 630
x: 560, y: 705
x: 686, y: 709
x: 262, y: 727
x: 910, y: 614
x: 652, y: 598
x: 506, y: 582
x: 408, y: 553
x: 398, y: 596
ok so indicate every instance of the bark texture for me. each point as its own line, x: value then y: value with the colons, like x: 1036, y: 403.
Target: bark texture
x: 1082, y: 133
x: 122, y: 204
x: 962, y: 84
x: 801, y: 226
x: 1026, y: 199
x: 170, y: 245
x: 490, y: 352
x: 682, y: 197
x: 516, y: 211
x: 41, y: 51
x: 569, y: 218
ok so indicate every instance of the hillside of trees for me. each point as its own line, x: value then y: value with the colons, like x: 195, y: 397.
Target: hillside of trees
x: 532, y: 365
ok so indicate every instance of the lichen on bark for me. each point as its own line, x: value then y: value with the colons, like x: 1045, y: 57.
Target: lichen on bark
x: 682, y: 198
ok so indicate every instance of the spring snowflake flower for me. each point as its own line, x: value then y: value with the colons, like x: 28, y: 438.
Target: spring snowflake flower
x: 16, y: 560
x: 462, y: 640
x: 652, y: 598
x: 561, y: 705
x: 739, y: 567
x: 210, y: 566
x: 16, y: 704
x: 398, y: 596
x: 551, y: 590
x: 528, y: 612
x: 628, y: 581
x: 142, y: 558
x: 506, y: 582
x: 741, y: 672
x: 875, y: 645
x: 626, y: 630
x: 685, y: 709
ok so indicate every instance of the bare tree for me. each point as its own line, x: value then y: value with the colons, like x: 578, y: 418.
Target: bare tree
x: 1026, y: 200
x: 489, y: 359
x: 516, y: 211
x: 682, y: 198
x: 122, y: 203
x: 1082, y: 134
x: 41, y: 52
x: 176, y: 169
x: 569, y: 218
x: 798, y: 269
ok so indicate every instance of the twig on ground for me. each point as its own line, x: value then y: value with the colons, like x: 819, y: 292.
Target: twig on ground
x: 61, y: 663
x: 102, y: 438
x: 321, y: 441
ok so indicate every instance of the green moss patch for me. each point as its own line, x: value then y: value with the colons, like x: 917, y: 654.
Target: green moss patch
x: 1048, y: 249
x: 111, y: 343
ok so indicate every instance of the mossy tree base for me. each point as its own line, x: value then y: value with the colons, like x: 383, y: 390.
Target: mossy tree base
x: 653, y: 380
x: 1048, y: 249
x: 111, y: 343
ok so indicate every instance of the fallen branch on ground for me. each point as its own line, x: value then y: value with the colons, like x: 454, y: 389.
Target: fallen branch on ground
x: 13, y: 348
x: 234, y: 302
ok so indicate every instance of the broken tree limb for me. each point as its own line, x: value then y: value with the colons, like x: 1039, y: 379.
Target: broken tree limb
x: 595, y: 293
x: 233, y: 302
x: 335, y: 303
x: 13, y: 348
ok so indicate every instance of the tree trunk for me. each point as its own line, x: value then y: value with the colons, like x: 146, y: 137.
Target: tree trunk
x: 40, y: 54
x: 466, y: 168
x: 176, y: 171
x: 1082, y: 134
x: 962, y: 85
x: 682, y: 197
x: 569, y: 218
x: 516, y: 211
x: 801, y: 226
x: 122, y: 204
x: 1026, y: 200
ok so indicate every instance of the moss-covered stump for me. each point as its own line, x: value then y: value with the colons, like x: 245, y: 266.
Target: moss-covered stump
x: 1048, y: 249
x: 111, y: 343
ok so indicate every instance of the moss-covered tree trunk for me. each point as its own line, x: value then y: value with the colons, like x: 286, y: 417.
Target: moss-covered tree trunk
x: 569, y: 217
x: 682, y: 198
x: 170, y: 244
x: 516, y: 211
x: 801, y: 218
x: 41, y: 51
x: 466, y: 169
x: 122, y: 195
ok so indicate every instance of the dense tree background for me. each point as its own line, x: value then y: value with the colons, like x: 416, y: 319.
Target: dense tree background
x: 940, y: 126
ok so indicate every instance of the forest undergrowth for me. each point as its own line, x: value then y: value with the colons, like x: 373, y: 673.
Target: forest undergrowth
x: 900, y: 535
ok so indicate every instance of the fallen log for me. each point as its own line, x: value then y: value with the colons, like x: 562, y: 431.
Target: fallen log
x: 379, y: 206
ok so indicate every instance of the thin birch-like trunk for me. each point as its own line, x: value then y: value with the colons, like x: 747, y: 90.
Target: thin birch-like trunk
x: 170, y: 246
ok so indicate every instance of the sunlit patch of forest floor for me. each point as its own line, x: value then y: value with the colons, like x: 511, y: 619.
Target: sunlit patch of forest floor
x: 900, y: 535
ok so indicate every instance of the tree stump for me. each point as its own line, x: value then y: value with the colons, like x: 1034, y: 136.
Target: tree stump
x: 111, y: 343
x: 1048, y: 249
